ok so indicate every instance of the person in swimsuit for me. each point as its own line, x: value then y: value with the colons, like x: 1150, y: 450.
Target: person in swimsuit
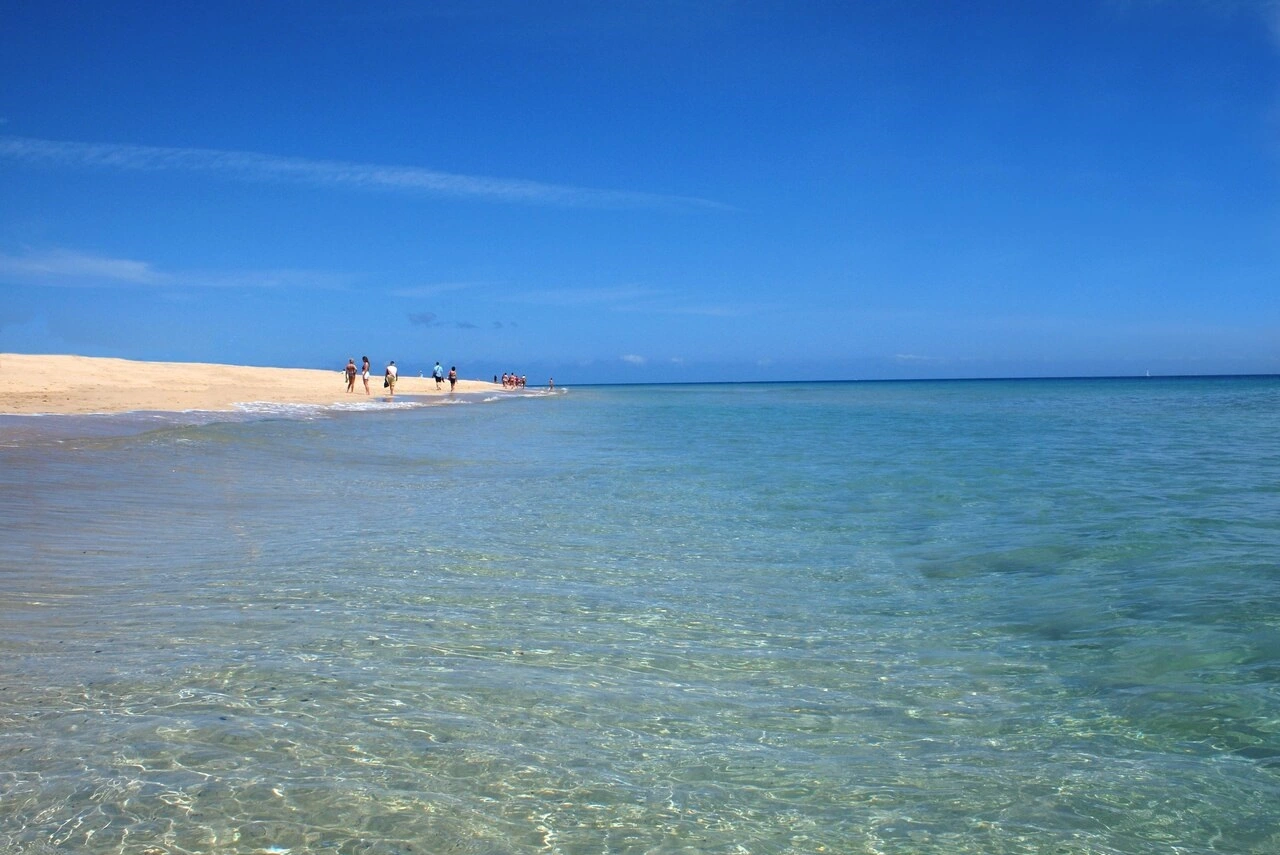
x: 453, y: 377
x: 364, y: 372
x: 351, y: 374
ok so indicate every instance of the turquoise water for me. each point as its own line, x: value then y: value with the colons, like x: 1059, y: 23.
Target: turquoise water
x: 954, y: 617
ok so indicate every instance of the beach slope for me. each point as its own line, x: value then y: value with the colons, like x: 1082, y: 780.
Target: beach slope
x: 80, y: 384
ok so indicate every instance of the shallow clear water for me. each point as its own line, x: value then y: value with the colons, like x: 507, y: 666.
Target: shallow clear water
x: 956, y: 617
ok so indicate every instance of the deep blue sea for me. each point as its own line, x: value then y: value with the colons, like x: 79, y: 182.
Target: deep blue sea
x: 928, y: 617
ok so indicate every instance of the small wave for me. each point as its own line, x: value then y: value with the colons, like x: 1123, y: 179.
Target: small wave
x: 366, y: 406
x: 270, y: 408
x: 20, y: 429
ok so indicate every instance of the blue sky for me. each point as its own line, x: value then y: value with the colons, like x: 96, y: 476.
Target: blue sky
x: 646, y: 191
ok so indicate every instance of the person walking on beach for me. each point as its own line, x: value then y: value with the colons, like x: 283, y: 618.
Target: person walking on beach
x: 351, y: 374
x: 389, y: 379
x: 453, y: 377
x: 364, y: 373
x: 438, y: 373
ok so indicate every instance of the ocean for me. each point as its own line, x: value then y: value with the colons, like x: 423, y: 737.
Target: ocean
x: 1025, y: 616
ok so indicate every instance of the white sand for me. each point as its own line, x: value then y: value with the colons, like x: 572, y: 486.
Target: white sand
x: 82, y: 384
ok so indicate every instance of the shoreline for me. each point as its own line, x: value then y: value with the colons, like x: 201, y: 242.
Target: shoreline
x: 63, y: 384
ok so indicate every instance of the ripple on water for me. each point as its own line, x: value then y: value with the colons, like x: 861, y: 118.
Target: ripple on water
x: 903, y: 618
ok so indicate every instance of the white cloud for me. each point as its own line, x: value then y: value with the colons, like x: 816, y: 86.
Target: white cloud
x: 615, y: 295
x: 1265, y: 11
x: 65, y: 267
x: 1270, y: 11
x: 254, y: 167
x: 61, y: 268
x: 416, y: 291
x: 633, y: 359
x: 319, y: 280
x: 635, y: 299
x: 708, y: 311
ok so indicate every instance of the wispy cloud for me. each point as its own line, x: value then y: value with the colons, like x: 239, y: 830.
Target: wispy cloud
x: 253, y: 167
x: 433, y: 290
x: 316, y: 280
x: 1265, y: 11
x: 604, y: 296
x: 64, y: 267
x: 61, y: 268
x: 633, y: 359
x: 634, y: 299
x: 1270, y: 12
x: 704, y: 311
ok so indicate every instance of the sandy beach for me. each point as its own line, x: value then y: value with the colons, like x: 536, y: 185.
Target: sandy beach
x: 80, y: 384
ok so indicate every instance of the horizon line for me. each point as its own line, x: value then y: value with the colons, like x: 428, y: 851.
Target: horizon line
x: 1010, y: 379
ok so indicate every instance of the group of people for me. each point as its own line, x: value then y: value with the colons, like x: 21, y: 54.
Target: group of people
x: 517, y: 381
x: 511, y: 381
x: 351, y: 370
x: 392, y: 374
x: 439, y: 375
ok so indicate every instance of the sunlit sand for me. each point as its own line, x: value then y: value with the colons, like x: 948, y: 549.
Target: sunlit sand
x: 80, y: 384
